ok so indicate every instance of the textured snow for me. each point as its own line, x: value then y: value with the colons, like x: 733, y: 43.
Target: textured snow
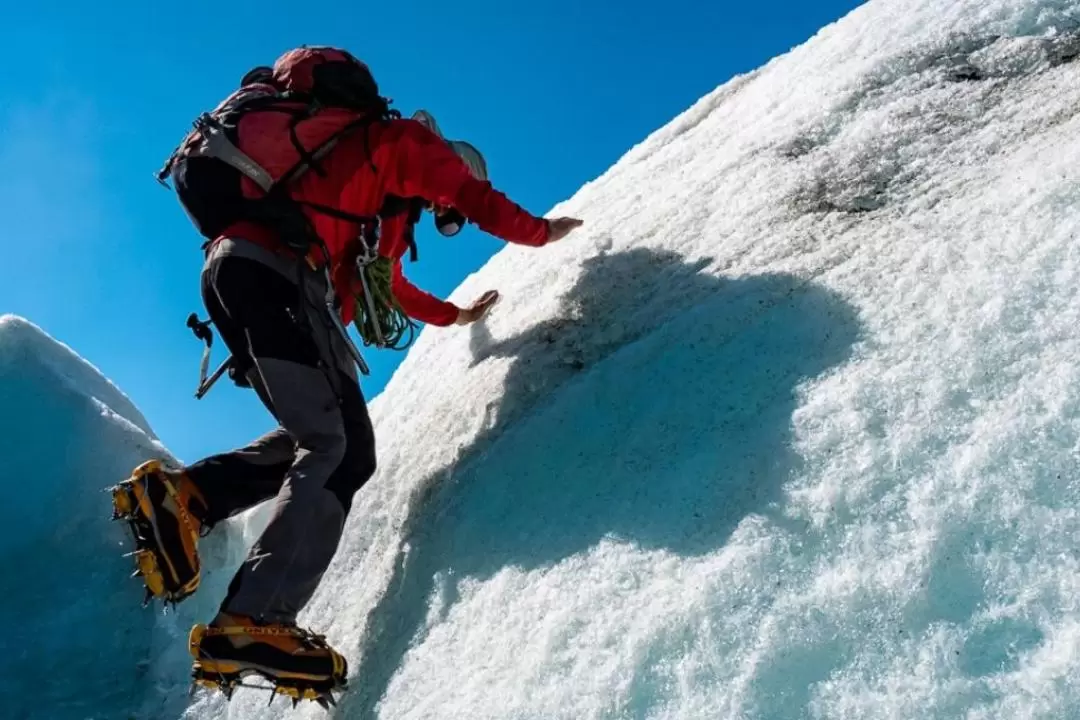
x: 789, y: 429
x: 76, y: 642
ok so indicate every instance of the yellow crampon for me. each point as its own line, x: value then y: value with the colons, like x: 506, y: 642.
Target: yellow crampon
x: 227, y: 684
x: 163, y: 578
x: 226, y: 675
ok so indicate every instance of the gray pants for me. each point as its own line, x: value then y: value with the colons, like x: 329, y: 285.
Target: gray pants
x: 274, y: 322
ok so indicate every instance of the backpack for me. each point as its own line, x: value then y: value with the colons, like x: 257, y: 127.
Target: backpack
x: 219, y: 185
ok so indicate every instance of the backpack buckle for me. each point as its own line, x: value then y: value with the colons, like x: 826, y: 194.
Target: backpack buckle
x: 205, y: 120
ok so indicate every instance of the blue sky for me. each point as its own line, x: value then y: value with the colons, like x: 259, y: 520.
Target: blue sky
x: 94, y: 97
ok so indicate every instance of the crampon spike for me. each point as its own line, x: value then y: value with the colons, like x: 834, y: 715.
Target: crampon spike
x: 147, y: 597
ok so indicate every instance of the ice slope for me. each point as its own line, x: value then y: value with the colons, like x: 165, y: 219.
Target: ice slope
x: 788, y: 430
x: 77, y: 644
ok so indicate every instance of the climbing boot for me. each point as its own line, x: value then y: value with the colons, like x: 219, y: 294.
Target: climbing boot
x: 164, y: 511
x: 298, y: 663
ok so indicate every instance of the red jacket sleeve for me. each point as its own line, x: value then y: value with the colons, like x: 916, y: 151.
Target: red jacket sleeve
x: 397, y: 232
x: 417, y: 163
x: 420, y: 305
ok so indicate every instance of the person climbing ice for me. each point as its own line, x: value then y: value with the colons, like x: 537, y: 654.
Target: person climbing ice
x: 286, y: 180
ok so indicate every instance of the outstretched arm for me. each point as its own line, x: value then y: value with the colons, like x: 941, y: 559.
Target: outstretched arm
x: 421, y: 164
x: 421, y: 305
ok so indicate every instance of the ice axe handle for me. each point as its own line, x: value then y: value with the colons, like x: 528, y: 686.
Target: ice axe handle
x: 205, y: 385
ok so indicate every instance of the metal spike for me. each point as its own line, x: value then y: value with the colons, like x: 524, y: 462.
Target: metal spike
x: 130, y: 554
x: 295, y: 701
x: 137, y: 573
x: 323, y: 702
x: 271, y: 700
x: 148, y: 597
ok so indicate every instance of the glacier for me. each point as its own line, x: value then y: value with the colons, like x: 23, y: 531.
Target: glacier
x: 789, y: 429
x: 77, y: 643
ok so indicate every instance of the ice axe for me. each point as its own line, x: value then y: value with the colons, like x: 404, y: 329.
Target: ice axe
x: 203, y: 332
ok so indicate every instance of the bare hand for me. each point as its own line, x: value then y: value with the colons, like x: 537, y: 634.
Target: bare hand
x: 478, y: 309
x: 561, y: 227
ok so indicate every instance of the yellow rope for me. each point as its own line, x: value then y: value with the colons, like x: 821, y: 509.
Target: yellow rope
x: 397, y: 328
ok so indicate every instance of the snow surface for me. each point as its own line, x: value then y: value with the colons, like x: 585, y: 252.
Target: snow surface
x: 76, y: 643
x: 788, y: 430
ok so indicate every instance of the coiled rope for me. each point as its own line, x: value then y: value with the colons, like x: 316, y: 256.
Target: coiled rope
x: 396, y: 328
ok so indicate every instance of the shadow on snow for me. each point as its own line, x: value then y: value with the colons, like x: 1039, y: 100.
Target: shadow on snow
x: 668, y: 448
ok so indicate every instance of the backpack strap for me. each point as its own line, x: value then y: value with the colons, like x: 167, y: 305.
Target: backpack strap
x: 216, y: 144
x: 412, y: 209
x: 212, y: 138
x: 335, y: 213
x: 310, y: 159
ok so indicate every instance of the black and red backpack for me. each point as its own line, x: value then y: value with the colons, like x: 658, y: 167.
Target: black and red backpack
x: 218, y: 185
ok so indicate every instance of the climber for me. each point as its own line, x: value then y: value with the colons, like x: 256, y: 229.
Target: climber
x: 281, y: 179
x: 398, y: 220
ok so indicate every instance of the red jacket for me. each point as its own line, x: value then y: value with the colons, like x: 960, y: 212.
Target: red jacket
x: 395, y: 238
x: 397, y: 157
